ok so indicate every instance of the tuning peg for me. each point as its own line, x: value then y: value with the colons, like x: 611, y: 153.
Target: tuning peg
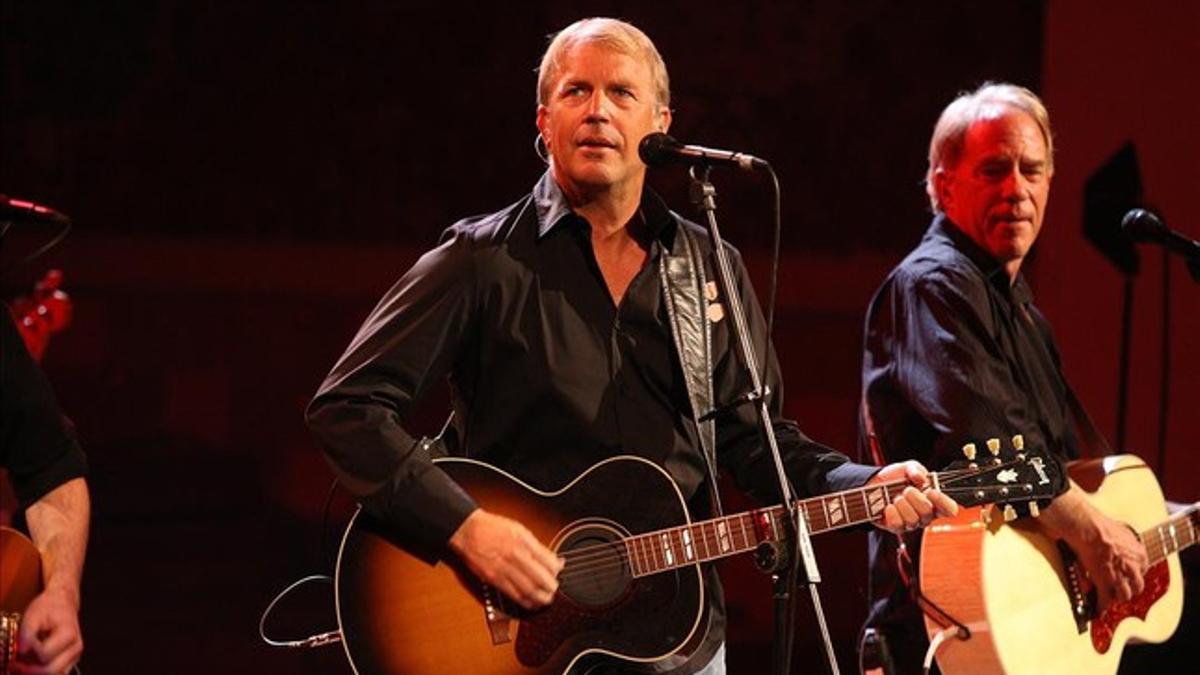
x: 1034, y: 510
x: 993, y: 446
x: 969, y: 451
x: 1010, y: 514
x: 1018, y: 442
x: 985, y: 515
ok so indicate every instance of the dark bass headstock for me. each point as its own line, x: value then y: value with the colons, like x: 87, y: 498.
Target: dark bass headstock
x: 1001, y: 475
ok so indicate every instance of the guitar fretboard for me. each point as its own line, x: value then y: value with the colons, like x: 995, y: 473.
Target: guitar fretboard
x: 707, y: 540
x: 1174, y: 534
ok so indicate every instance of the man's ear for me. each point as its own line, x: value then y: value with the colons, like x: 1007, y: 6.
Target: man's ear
x: 943, y: 183
x: 543, y: 122
x: 664, y: 119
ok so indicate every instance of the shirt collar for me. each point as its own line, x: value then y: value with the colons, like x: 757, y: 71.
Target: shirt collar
x: 553, y: 209
x: 992, y: 269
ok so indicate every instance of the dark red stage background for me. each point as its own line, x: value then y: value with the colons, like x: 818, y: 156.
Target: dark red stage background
x: 247, y: 178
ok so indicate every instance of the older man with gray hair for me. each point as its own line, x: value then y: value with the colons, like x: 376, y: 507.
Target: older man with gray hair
x: 955, y: 350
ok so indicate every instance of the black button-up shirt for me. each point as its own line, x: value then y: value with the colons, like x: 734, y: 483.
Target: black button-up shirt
x: 955, y: 353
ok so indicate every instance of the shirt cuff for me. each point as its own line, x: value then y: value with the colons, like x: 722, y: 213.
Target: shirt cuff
x: 850, y: 475
x: 428, y: 506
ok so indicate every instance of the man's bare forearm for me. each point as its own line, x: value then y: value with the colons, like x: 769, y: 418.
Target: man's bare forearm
x: 1070, y: 516
x: 58, y: 524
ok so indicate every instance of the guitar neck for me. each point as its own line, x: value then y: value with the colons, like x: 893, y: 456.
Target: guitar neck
x: 1173, y: 534
x: 717, y: 538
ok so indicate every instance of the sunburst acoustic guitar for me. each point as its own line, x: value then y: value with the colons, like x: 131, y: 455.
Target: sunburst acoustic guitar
x: 631, y: 588
x: 20, y: 582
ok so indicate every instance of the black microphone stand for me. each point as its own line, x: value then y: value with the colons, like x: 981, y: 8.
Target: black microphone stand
x: 785, y: 565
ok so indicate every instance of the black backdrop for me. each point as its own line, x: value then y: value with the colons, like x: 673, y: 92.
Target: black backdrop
x: 386, y: 120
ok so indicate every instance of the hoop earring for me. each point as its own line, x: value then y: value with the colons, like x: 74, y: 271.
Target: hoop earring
x: 540, y: 149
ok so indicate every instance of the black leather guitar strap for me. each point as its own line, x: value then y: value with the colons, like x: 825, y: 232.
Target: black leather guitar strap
x: 683, y: 283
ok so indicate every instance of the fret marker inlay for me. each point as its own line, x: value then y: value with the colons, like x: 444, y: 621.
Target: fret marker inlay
x: 834, y: 506
x: 723, y: 536
x: 876, y: 502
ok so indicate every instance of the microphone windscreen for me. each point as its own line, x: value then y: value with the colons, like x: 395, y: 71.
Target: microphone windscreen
x: 655, y: 148
x: 1140, y: 224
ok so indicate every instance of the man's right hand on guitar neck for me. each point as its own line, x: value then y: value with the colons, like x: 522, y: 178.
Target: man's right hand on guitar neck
x: 506, y: 555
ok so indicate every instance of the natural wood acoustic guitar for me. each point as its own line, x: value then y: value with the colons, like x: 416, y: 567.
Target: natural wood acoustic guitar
x: 1025, y: 599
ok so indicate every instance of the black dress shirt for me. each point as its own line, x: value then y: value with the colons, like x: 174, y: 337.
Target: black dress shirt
x: 954, y: 352
x: 548, y: 375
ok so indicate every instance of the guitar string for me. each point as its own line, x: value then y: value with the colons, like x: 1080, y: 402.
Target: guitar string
x: 588, y: 559
x: 653, y: 556
x: 1154, y: 540
x: 707, y: 539
x: 612, y: 560
x: 614, y: 555
x: 616, y: 558
x: 616, y: 563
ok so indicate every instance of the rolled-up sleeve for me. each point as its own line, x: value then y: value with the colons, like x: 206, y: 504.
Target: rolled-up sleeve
x: 38, y: 444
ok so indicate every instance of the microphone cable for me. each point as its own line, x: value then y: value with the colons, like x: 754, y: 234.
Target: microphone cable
x: 6, y: 225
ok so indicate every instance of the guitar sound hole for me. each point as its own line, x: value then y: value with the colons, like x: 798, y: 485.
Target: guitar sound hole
x: 597, y: 572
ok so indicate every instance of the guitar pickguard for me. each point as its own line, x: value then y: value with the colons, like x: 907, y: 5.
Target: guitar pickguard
x: 542, y: 634
x: 1158, y: 579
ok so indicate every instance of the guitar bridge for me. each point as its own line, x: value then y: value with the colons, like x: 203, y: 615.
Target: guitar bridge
x: 498, y: 620
x: 8, y: 639
x: 1082, y: 602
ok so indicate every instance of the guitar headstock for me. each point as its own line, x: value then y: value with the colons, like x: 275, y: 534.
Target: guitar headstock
x: 999, y: 474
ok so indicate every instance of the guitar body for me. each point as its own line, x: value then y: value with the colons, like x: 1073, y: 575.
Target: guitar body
x: 1012, y: 586
x: 408, y: 613
x: 20, y: 582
